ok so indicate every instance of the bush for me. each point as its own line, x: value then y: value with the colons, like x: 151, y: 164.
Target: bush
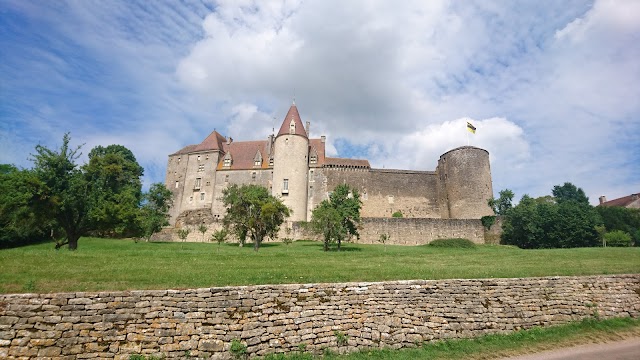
x: 617, y: 238
x: 397, y: 214
x: 453, y: 243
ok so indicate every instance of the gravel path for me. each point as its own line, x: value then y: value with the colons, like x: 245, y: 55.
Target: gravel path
x: 628, y: 349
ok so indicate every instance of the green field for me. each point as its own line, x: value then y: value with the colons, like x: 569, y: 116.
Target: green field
x: 104, y: 264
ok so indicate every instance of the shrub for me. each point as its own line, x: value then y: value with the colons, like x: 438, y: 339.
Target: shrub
x: 238, y: 349
x: 397, y: 214
x: 488, y: 221
x: 617, y: 238
x: 453, y: 243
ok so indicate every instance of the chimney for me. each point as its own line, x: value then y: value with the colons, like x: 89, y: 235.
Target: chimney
x: 229, y: 140
x: 323, y: 138
x: 603, y: 199
x: 308, y: 125
x: 269, y: 144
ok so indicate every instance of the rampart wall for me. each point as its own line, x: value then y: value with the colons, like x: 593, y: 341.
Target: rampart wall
x: 401, y: 231
x: 407, y: 231
x: 383, y: 192
x: 279, y: 318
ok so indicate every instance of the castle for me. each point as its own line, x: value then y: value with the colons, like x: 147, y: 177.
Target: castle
x: 295, y: 169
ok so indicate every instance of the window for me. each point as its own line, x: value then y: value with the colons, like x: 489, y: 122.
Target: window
x: 196, y: 186
x: 313, y: 158
x: 311, y: 179
x: 227, y: 162
x: 201, y: 167
x: 190, y: 198
x: 292, y: 127
x: 198, y: 157
x: 177, y: 184
x: 270, y: 161
x: 226, y: 178
x: 201, y: 196
x: 285, y: 186
x: 178, y: 159
x: 208, y: 183
x: 257, y: 163
x: 253, y: 176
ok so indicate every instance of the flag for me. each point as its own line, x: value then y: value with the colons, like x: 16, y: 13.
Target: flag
x: 471, y: 128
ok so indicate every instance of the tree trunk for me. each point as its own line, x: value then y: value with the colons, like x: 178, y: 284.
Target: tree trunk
x: 256, y: 243
x: 73, y: 243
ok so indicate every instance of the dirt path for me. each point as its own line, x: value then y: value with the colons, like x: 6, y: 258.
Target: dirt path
x: 628, y: 349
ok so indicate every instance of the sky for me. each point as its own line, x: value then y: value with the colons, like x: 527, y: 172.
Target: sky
x: 552, y: 87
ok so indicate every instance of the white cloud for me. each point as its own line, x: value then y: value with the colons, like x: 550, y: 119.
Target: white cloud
x: 552, y: 89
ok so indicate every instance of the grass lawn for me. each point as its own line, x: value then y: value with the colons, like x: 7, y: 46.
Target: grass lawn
x: 105, y: 264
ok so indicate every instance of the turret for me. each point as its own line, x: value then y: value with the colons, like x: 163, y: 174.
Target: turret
x: 291, y: 165
x: 464, y: 183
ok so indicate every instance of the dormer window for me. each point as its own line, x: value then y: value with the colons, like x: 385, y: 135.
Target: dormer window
x: 257, y: 160
x: 227, y: 160
x: 313, y: 156
x: 292, y: 127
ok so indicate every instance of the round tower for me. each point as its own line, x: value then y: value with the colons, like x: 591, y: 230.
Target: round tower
x: 291, y: 165
x: 464, y: 176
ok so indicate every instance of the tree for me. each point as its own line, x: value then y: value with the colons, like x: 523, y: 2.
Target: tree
x: 503, y: 203
x: 251, y: 210
x: 219, y: 236
x: 337, y: 218
x: 101, y: 197
x: 19, y: 224
x: 154, y: 211
x: 62, y: 193
x: 620, y: 218
x: 203, y: 230
x: 564, y: 223
x: 569, y: 192
x: 113, y: 174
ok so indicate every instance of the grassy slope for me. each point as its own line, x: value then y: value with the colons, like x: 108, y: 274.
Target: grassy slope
x: 101, y: 264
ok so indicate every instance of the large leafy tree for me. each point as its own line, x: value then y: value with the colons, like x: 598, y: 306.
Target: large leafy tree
x: 252, y: 211
x: 19, y: 224
x: 154, y: 211
x: 113, y: 174
x: 63, y: 192
x: 568, y: 221
x: 338, y: 217
x: 623, y: 219
x: 101, y: 197
x: 569, y: 192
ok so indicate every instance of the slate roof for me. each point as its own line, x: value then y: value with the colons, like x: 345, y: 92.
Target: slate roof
x: 292, y: 114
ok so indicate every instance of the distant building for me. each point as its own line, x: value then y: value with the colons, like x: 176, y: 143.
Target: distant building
x: 630, y: 201
x: 295, y: 169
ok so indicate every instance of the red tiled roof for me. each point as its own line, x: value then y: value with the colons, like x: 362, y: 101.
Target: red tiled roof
x: 340, y: 162
x: 185, y: 150
x: 214, y: 141
x: 623, y: 201
x: 318, y: 145
x: 292, y: 114
x: 243, y: 153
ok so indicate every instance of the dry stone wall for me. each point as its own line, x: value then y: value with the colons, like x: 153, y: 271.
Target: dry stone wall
x: 279, y: 318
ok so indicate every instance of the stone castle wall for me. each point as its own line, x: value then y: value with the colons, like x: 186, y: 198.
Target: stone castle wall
x: 280, y: 318
x: 407, y: 231
x: 401, y: 231
x: 383, y: 192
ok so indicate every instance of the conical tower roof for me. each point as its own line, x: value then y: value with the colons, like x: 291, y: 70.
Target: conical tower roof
x: 292, y: 114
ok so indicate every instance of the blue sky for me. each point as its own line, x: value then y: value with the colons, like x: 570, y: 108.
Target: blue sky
x: 553, y: 90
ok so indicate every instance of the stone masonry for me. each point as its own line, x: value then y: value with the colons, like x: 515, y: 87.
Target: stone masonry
x: 279, y: 318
